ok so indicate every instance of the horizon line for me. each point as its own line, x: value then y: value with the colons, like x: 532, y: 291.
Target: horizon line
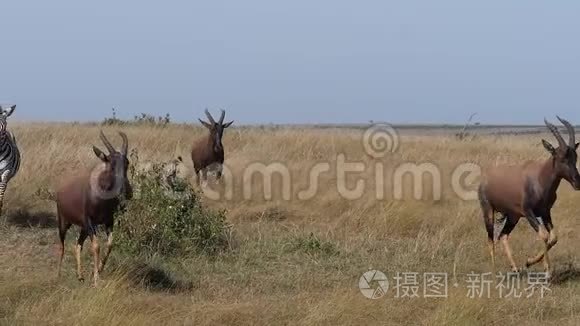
x: 404, y: 125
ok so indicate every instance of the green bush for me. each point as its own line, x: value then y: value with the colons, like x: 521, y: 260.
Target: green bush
x: 113, y: 120
x: 168, y: 222
x: 141, y: 119
x: 149, y: 119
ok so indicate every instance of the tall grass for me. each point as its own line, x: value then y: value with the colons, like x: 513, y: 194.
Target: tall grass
x: 293, y: 261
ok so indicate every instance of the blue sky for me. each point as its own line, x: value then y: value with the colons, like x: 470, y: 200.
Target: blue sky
x: 292, y: 61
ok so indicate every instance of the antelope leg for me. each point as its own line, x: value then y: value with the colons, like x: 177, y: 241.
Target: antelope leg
x: 543, y: 234
x: 491, y: 245
x: 62, y: 229
x: 552, y: 240
x: 78, y: 248
x: 109, y: 245
x: 508, y: 252
x: 95, y: 248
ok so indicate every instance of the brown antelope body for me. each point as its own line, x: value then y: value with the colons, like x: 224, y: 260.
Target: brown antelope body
x: 91, y: 199
x: 208, y: 152
x: 529, y: 190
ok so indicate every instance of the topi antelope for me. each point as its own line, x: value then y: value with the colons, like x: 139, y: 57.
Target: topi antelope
x: 529, y: 190
x: 91, y: 199
x: 208, y: 152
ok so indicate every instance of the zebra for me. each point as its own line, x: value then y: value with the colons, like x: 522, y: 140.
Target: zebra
x: 9, y: 153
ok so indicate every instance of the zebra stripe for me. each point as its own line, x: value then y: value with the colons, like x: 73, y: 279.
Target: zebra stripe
x: 9, y: 154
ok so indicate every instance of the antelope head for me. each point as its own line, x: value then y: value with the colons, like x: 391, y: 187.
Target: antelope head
x: 116, y: 165
x: 565, y: 156
x: 216, y: 129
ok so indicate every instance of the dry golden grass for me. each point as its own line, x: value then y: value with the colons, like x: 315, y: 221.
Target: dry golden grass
x: 277, y: 273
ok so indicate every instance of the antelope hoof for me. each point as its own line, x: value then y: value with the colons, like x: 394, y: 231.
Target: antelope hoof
x: 81, y: 279
x: 95, y: 281
x: 524, y: 269
x: 530, y: 262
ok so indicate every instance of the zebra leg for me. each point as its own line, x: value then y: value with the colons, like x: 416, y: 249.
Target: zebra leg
x: 3, y: 185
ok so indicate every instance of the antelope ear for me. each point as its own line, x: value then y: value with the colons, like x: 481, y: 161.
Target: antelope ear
x: 100, y: 154
x: 576, y: 146
x: 227, y: 124
x: 207, y: 125
x: 549, y: 147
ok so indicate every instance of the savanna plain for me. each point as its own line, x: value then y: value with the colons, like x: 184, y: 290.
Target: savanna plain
x: 290, y: 260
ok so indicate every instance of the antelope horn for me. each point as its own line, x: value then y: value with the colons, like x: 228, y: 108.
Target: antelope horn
x: 222, y: 117
x: 556, y: 133
x: 571, y: 132
x: 107, y: 143
x: 125, y: 146
x: 209, y: 117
